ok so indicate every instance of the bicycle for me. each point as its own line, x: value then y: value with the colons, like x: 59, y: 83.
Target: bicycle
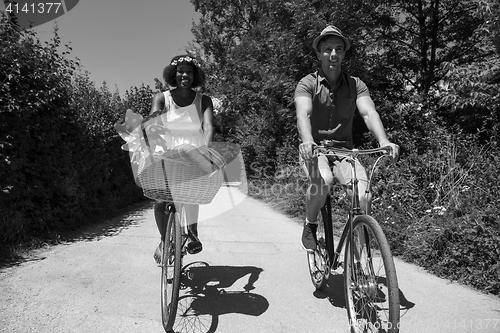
x: 184, y: 174
x: 371, y: 285
x: 184, y: 183
x: 176, y: 228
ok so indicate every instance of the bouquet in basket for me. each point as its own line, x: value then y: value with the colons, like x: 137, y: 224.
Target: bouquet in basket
x: 165, y: 172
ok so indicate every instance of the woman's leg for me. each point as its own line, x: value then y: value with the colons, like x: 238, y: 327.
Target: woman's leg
x: 161, y: 217
x: 161, y: 222
x: 192, y: 212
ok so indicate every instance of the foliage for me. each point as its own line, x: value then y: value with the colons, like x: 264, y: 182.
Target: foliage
x: 472, y: 99
x: 443, y: 211
x: 432, y: 71
x: 60, y: 162
x: 139, y: 99
x: 256, y: 51
x: 35, y: 89
x: 254, y: 64
x: 491, y: 11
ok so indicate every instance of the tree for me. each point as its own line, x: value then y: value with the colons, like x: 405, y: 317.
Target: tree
x: 255, y: 53
x: 470, y: 94
x: 11, y: 16
x: 491, y: 11
x: 419, y: 38
x: 139, y: 99
x: 402, y: 50
x: 429, y: 64
x: 242, y: 56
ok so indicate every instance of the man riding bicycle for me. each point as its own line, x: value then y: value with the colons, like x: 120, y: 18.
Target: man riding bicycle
x: 325, y: 103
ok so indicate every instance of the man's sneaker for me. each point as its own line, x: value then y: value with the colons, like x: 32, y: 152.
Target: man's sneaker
x: 309, y: 236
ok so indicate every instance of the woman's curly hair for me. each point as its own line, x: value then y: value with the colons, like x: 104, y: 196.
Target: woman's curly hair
x: 169, y: 73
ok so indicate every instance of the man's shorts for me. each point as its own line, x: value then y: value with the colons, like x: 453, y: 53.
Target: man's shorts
x: 320, y: 167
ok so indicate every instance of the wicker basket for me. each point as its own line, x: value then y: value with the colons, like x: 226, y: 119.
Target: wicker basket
x: 177, y: 180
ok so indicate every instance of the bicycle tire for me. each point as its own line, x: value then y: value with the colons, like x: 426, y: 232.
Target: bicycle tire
x: 371, y: 284
x: 171, y: 271
x: 318, y: 262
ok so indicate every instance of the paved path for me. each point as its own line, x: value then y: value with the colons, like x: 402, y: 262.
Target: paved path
x: 254, y: 266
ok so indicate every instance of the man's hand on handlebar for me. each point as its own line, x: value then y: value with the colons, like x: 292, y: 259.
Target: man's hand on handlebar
x: 305, y: 150
x: 394, y: 150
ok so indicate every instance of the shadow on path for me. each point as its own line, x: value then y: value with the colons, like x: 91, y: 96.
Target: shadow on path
x: 335, y: 294
x: 124, y: 219
x: 205, y: 298
x: 132, y: 216
x: 334, y: 291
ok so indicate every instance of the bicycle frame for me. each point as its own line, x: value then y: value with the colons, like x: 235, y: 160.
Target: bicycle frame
x: 327, y: 149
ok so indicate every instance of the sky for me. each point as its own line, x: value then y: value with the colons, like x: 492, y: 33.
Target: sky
x: 125, y: 42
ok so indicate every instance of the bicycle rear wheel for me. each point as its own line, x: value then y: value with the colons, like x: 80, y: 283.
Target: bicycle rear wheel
x: 372, y: 293
x: 171, y: 271
x: 318, y: 262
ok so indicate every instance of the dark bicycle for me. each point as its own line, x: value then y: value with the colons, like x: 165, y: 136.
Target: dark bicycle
x: 371, y: 284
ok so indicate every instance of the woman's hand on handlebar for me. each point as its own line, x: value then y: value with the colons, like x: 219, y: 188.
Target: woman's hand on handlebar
x: 305, y: 150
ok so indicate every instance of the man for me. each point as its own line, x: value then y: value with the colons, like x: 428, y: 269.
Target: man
x: 325, y: 103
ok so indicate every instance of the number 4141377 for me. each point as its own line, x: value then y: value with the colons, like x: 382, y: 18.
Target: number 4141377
x: 33, y: 8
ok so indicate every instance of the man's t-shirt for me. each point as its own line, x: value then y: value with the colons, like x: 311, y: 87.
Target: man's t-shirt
x: 333, y: 111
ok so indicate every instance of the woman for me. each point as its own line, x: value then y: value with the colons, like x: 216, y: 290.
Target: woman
x: 187, y: 114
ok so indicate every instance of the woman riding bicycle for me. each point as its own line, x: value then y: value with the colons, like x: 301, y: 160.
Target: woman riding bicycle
x: 325, y: 103
x: 187, y: 115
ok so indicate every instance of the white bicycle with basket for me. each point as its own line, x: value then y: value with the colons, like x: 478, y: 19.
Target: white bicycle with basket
x: 171, y: 176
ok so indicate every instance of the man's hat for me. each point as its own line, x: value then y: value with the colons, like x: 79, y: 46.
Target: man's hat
x: 331, y: 31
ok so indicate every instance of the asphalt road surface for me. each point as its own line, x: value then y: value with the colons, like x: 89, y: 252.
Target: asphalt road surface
x: 252, y: 277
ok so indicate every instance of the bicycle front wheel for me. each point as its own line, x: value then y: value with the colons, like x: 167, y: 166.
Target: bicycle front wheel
x: 171, y: 271
x: 371, y: 285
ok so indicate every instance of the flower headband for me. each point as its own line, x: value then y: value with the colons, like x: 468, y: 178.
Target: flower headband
x: 185, y: 59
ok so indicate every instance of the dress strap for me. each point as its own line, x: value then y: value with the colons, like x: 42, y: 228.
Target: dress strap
x: 168, y: 100
x: 198, y: 103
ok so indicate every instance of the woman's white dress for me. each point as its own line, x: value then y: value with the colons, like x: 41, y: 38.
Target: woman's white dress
x: 183, y: 122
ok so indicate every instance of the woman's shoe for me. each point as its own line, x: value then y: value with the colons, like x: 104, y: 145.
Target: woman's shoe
x: 194, y: 246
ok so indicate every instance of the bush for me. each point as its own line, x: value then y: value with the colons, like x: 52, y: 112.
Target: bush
x: 457, y: 234
x: 60, y: 159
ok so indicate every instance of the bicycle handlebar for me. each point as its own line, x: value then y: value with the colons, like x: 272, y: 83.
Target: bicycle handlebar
x: 325, y: 148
